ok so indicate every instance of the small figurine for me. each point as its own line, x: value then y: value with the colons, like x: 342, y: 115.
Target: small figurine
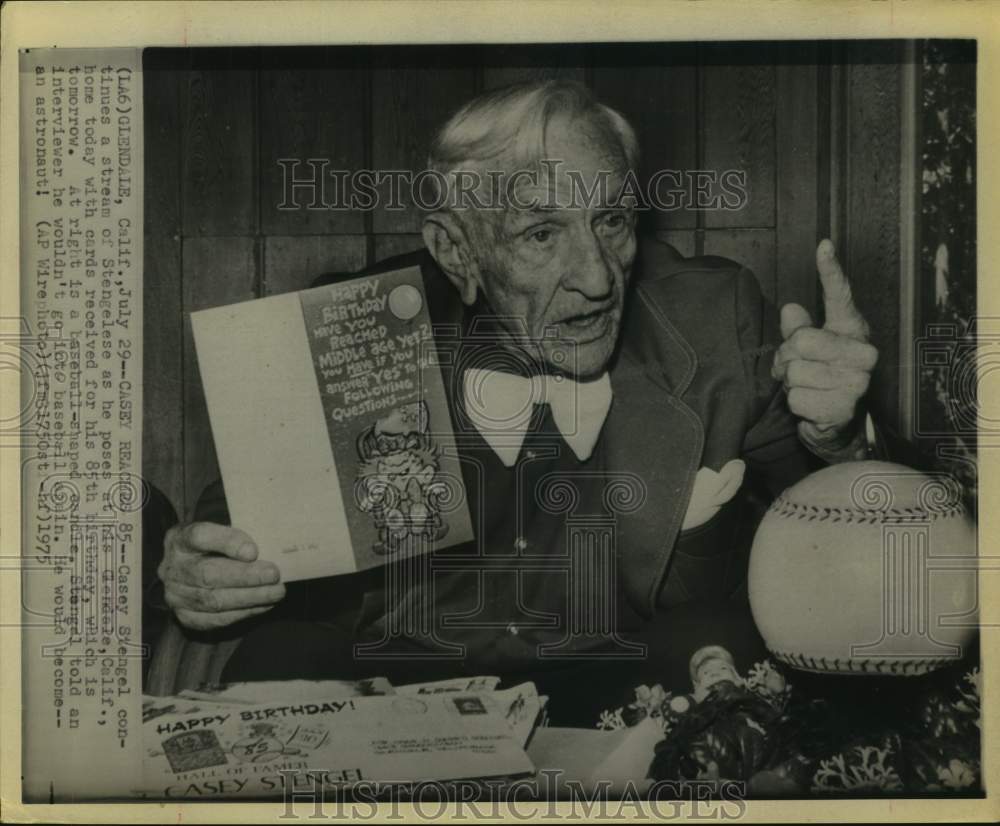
x: 710, y: 666
x: 718, y: 731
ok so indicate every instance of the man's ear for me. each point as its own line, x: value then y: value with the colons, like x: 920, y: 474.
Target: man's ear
x: 448, y: 243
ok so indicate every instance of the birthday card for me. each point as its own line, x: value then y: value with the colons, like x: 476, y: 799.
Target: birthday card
x: 331, y: 425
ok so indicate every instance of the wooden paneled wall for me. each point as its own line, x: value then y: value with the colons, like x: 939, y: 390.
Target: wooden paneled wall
x: 218, y: 120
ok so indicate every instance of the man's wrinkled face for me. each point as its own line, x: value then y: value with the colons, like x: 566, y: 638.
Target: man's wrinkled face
x: 559, y: 262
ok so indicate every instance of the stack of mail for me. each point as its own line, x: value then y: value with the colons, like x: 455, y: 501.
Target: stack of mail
x: 247, y: 740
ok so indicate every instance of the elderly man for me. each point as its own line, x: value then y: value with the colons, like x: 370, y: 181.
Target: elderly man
x: 611, y: 361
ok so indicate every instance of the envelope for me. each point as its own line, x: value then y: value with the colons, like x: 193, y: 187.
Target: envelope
x: 241, y: 750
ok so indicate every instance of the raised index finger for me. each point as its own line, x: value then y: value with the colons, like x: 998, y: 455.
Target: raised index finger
x: 836, y: 287
x: 842, y: 316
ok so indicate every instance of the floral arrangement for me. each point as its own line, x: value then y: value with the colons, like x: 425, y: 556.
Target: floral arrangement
x: 781, y: 740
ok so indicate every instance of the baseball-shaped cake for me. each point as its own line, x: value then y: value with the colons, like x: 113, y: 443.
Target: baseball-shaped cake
x: 866, y: 568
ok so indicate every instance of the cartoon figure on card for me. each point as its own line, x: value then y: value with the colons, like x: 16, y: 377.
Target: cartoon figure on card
x: 398, y: 479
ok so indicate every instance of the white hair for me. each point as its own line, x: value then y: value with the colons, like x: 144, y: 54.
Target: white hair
x: 505, y: 129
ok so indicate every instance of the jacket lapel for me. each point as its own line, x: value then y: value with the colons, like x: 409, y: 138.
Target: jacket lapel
x: 654, y: 435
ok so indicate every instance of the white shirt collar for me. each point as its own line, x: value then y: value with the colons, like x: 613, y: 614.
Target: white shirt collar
x: 500, y: 405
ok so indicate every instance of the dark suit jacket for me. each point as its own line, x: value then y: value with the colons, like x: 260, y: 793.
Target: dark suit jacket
x: 693, y: 377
